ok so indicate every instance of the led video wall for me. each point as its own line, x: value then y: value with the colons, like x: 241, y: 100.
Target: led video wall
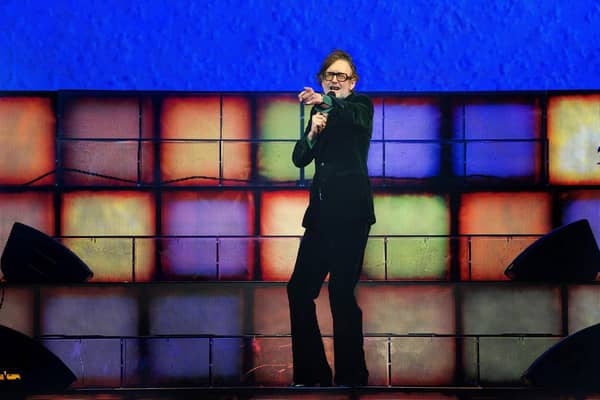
x: 194, y: 197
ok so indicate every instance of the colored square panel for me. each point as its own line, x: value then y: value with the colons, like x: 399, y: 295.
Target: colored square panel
x: 27, y: 127
x: 18, y: 309
x: 581, y: 204
x: 423, y: 361
x: 418, y: 215
x: 278, y: 257
x: 106, y: 117
x: 374, y: 260
x: 210, y: 213
x: 281, y: 215
x: 125, y: 214
x: 91, y: 310
x: 35, y: 209
x: 573, y: 138
x: 499, y: 139
x: 422, y: 309
x: 102, y: 162
x: 501, y: 360
x: 213, y: 309
x: 95, y: 362
x: 501, y: 309
x: 206, y: 140
x: 378, y: 119
x: 227, y: 361
x: 583, y: 310
x: 496, y: 213
x: 274, y: 162
x: 486, y: 258
x: 279, y: 126
x: 270, y: 314
x: 116, y: 259
x: 412, y: 160
x: 409, y: 126
x: 375, y: 162
x: 377, y: 360
x: 177, y: 361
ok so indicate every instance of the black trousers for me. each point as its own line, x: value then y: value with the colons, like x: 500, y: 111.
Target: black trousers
x: 339, y: 251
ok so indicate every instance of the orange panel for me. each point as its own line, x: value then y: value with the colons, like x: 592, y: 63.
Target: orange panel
x: 27, y: 129
x: 519, y: 213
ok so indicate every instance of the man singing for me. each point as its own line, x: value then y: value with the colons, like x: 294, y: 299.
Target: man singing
x: 337, y: 224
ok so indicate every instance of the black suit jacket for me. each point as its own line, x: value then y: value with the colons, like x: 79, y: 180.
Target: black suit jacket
x: 340, y: 191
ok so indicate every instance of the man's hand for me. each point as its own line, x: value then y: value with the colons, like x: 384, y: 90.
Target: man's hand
x: 317, y: 124
x: 310, y: 97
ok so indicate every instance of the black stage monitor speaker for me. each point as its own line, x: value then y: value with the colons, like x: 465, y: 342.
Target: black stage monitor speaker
x: 566, y: 254
x: 26, y: 366
x: 572, y: 363
x: 31, y: 256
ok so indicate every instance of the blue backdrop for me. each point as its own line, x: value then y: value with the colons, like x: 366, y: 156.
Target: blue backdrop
x: 444, y: 45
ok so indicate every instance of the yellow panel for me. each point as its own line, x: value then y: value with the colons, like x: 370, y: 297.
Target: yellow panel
x: 237, y: 117
x: 413, y: 214
x: 282, y: 212
x: 574, y: 137
x: 236, y: 164
x: 27, y: 126
x: 277, y: 257
x: 185, y: 163
x: 111, y: 213
x: 374, y: 261
x: 583, y: 301
x: 275, y: 162
x: 278, y: 117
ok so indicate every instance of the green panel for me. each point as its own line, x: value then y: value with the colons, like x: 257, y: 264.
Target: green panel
x: 374, y: 261
x: 417, y: 258
x: 501, y: 360
x: 412, y: 214
x: 515, y: 309
x: 278, y: 117
x: 584, y: 306
x: 275, y: 161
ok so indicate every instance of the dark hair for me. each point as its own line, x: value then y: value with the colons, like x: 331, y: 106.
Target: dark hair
x: 333, y: 57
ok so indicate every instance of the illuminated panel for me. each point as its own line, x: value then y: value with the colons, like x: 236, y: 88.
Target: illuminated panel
x: 35, y: 209
x: 419, y: 361
x: 504, y: 309
x: 270, y: 314
x: 424, y: 309
x: 374, y: 259
x: 205, y: 140
x: 419, y: 257
x: 125, y: 214
x: 377, y: 360
x: 107, y: 311
x: 574, y: 137
x: 501, y: 360
x: 375, y: 158
x: 212, y: 214
x: 272, y: 361
x: 486, y: 213
x: 583, y: 308
x: 227, y: 367
x: 515, y: 123
x: 101, y: 140
x: 96, y: 362
x: 213, y: 309
x: 27, y: 126
x: 177, y: 361
x: 17, y: 309
x: 279, y: 126
x: 281, y: 214
x: 411, y: 119
x: 582, y: 204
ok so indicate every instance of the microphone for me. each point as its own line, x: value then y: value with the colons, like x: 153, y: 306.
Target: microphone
x: 331, y: 93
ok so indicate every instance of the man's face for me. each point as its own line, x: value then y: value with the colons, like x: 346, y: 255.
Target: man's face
x: 331, y: 81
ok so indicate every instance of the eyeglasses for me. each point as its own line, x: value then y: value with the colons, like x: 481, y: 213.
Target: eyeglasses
x: 341, y: 76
